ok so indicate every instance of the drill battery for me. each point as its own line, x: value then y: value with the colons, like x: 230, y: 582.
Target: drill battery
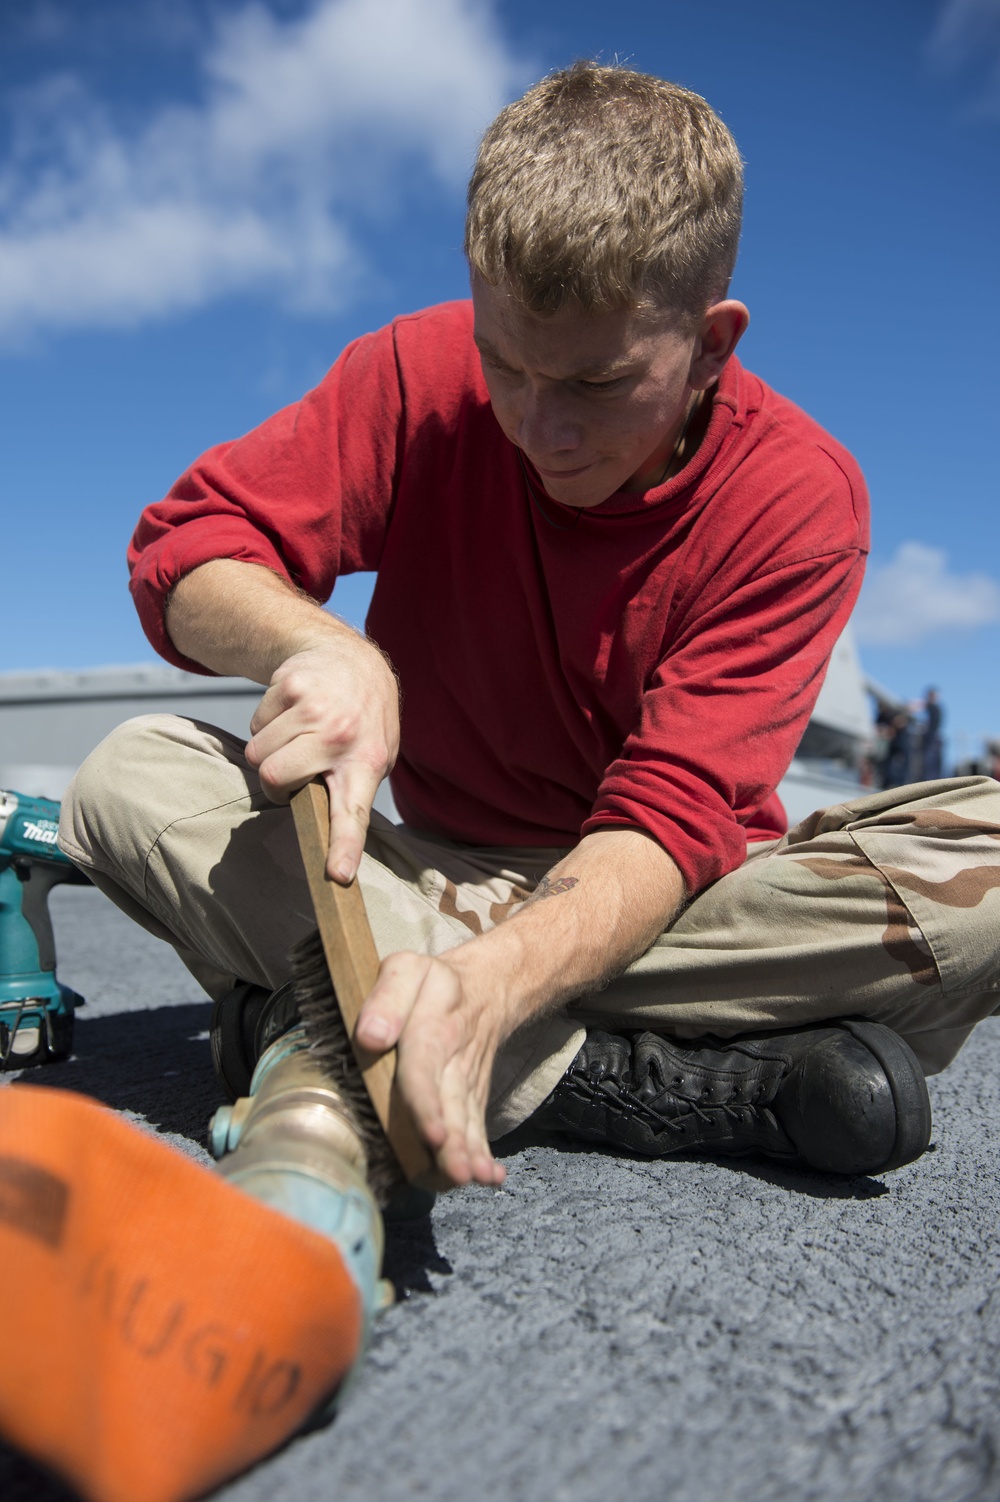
x: 36, y: 1011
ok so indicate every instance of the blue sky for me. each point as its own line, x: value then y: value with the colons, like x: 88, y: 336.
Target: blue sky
x: 201, y: 201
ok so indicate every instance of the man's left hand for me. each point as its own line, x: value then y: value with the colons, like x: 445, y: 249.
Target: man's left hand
x: 446, y: 1039
x: 447, y: 1017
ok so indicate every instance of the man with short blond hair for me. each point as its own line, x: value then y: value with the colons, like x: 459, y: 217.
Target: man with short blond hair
x: 612, y: 565
x: 635, y: 190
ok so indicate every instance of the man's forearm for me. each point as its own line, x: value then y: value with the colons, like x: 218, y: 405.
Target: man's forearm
x: 331, y: 709
x: 243, y: 619
x: 596, y: 912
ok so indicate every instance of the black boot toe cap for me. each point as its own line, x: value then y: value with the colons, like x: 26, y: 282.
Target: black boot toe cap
x: 852, y: 1110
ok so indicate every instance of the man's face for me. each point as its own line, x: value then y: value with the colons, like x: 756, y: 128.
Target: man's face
x: 595, y: 401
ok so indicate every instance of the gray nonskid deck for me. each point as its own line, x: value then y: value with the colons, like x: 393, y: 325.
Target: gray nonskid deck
x: 610, y: 1328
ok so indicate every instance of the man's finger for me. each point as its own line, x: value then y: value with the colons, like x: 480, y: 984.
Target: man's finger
x: 436, y: 1094
x: 289, y: 766
x: 274, y: 701
x: 388, y: 1006
x: 466, y: 1152
x: 271, y: 737
x: 285, y: 755
x: 352, y: 791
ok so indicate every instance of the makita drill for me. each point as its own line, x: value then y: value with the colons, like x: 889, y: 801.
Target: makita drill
x: 36, y: 1012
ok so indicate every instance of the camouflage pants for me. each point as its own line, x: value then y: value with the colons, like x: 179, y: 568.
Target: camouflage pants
x: 886, y: 907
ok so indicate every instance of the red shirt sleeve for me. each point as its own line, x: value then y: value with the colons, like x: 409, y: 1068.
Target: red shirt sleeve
x: 307, y: 494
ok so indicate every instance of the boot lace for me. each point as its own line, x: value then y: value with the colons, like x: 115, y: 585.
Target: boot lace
x: 618, y: 1094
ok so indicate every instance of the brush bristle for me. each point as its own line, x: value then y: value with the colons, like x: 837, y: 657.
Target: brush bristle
x: 331, y: 1047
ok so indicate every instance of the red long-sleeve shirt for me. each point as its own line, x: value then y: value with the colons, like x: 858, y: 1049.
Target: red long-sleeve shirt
x: 649, y: 663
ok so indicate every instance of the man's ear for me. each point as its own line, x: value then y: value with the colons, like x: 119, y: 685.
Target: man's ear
x: 722, y: 328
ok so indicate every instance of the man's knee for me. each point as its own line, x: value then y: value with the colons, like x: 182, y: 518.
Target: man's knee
x: 147, y: 773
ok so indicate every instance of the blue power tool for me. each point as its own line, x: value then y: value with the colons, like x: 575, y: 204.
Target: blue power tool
x: 36, y: 1012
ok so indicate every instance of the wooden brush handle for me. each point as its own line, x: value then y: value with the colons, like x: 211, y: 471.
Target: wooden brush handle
x: 352, y: 960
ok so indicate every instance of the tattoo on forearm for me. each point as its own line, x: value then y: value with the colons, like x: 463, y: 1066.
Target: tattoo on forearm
x: 547, y: 888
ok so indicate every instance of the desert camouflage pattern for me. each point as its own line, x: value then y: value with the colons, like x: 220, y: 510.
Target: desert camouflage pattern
x: 886, y: 907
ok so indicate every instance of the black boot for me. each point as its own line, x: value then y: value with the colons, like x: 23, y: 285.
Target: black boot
x: 845, y: 1096
x: 244, y: 1022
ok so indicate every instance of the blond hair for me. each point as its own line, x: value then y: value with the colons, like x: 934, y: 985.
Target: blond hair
x: 605, y: 188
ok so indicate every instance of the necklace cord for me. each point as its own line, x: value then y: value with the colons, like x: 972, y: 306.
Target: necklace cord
x: 679, y: 444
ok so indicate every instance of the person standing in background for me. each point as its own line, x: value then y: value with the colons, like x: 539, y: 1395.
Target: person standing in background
x: 896, y: 765
x: 930, y: 740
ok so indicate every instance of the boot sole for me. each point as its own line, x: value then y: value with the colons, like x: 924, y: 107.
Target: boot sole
x: 909, y: 1089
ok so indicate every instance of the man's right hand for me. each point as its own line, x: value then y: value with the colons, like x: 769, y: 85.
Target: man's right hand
x: 332, y: 710
x: 332, y: 703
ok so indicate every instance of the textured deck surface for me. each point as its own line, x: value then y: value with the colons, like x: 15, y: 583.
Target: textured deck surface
x: 687, y: 1331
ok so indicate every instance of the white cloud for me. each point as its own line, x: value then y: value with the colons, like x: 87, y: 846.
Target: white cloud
x: 299, y: 123
x: 967, y: 34
x: 914, y: 597
x: 961, y: 25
